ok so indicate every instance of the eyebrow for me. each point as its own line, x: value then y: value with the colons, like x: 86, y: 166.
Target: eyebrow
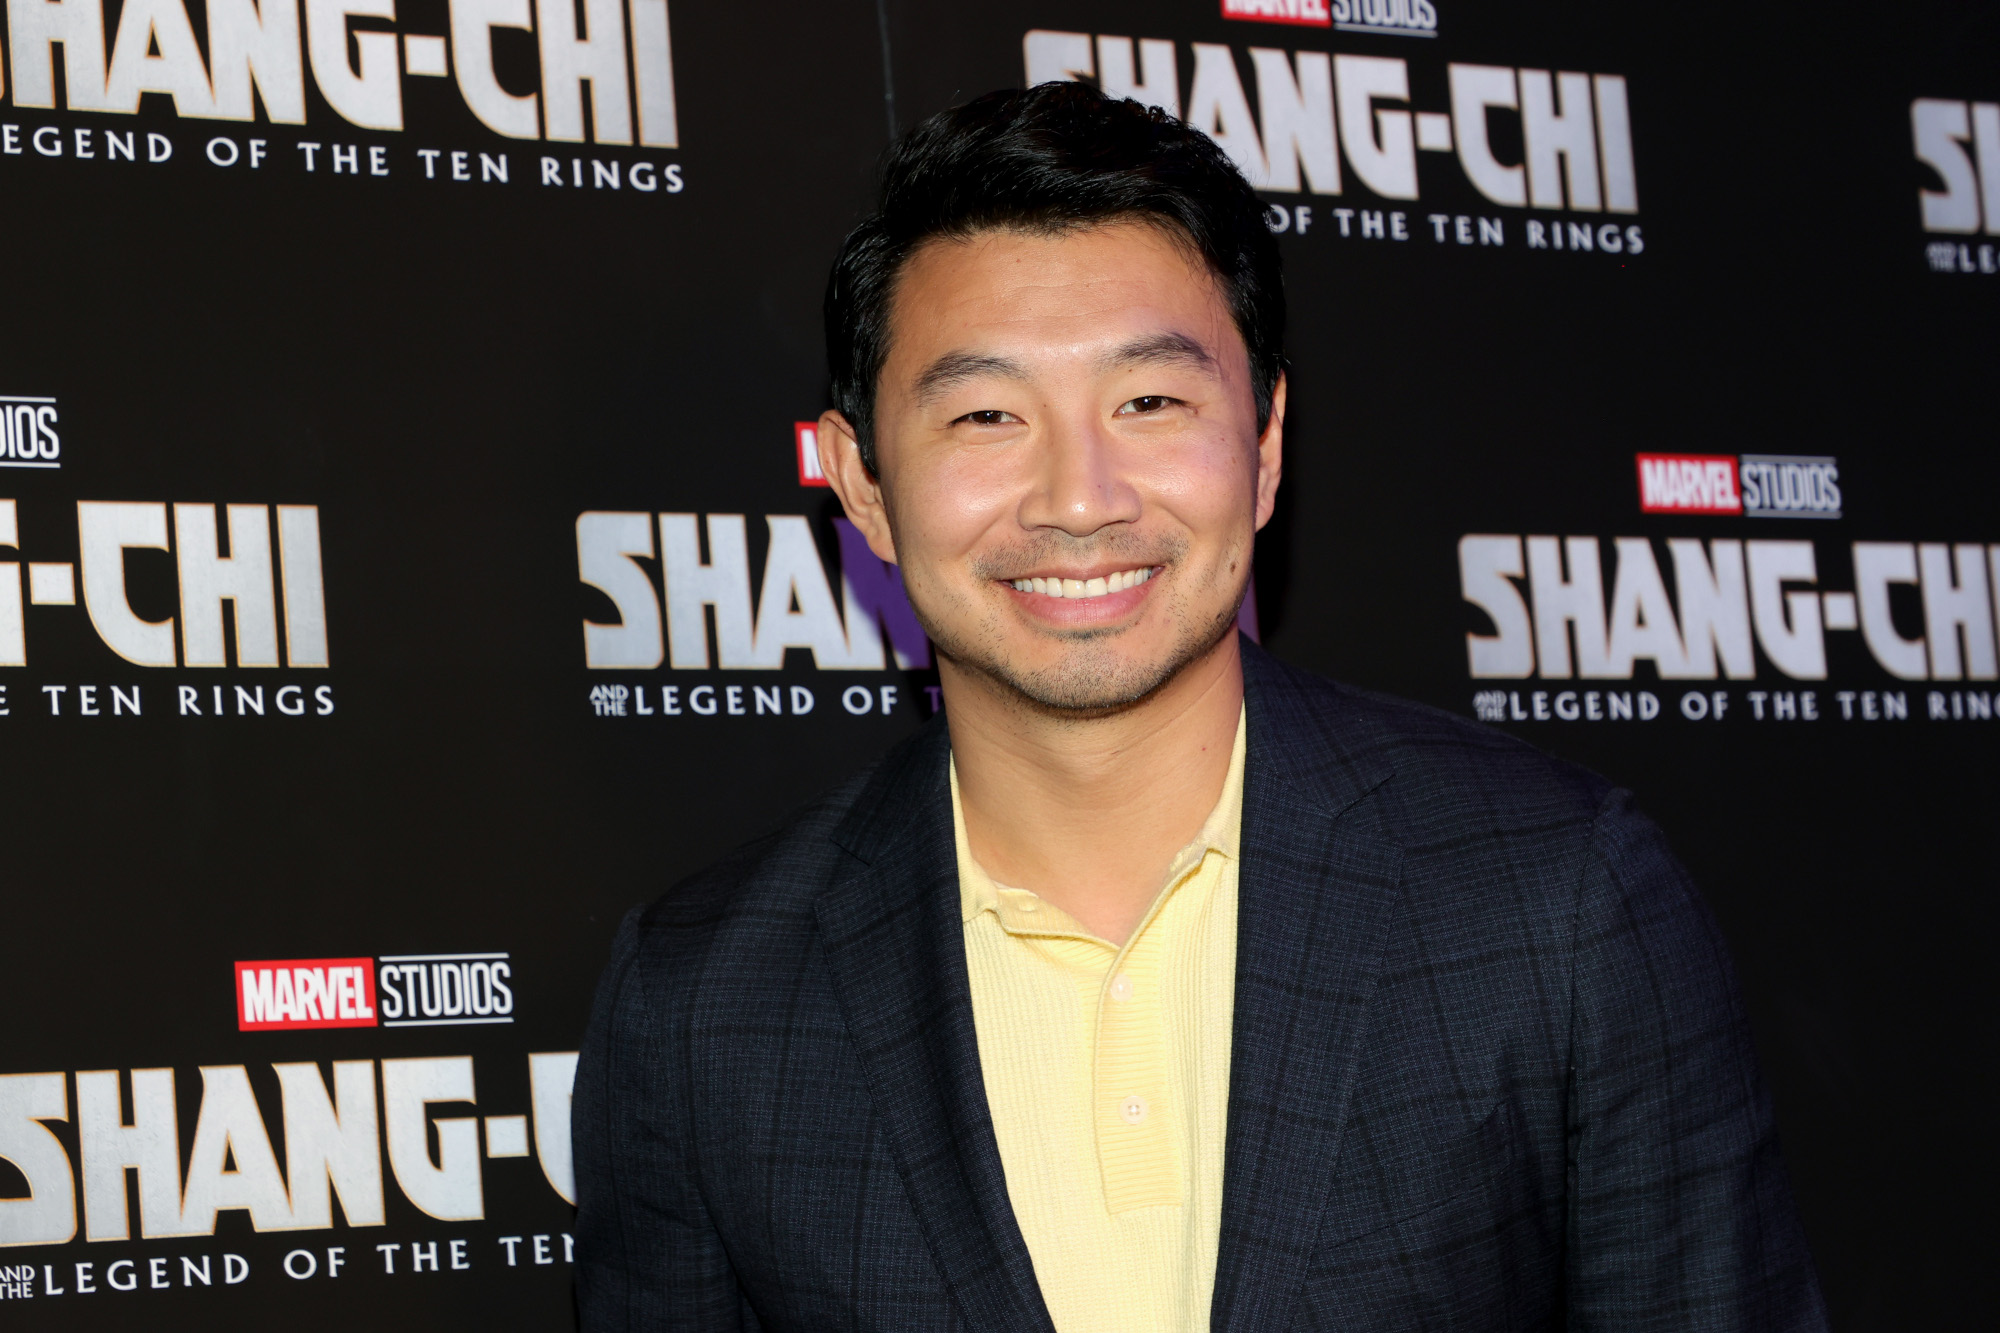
x: 1153, y: 349
x: 955, y: 368
x: 1157, y: 349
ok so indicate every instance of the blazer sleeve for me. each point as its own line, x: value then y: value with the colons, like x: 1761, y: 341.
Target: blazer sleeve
x: 1680, y: 1214
x: 647, y: 1256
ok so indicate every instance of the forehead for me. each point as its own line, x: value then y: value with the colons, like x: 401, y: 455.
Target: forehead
x: 1032, y: 290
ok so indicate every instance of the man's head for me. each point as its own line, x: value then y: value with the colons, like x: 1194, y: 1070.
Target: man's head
x: 1057, y: 355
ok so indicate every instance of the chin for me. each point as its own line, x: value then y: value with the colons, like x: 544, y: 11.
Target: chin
x: 1093, y: 677
x: 1092, y: 686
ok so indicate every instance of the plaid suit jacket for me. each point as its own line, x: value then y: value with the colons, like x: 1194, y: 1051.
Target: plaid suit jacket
x: 1490, y: 1070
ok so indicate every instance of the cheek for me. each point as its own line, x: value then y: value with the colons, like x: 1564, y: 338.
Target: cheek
x: 1210, y: 490
x: 945, y: 510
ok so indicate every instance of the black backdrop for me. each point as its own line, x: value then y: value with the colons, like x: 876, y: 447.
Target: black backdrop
x: 452, y: 372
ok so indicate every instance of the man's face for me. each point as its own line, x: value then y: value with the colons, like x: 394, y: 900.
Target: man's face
x: 1070, y: 471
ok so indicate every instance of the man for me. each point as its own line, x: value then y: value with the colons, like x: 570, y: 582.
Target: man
x: 1157, y: 986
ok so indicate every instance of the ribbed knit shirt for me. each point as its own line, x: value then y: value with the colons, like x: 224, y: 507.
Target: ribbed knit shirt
x: 1107, y: 1075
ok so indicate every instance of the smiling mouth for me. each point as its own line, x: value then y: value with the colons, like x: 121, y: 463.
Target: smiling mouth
x: 1077, y: 589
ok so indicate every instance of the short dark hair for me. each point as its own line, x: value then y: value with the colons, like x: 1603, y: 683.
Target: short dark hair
x: 1053, y: 158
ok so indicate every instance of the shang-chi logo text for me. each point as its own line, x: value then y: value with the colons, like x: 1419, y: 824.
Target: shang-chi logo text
x: 1568, y: 606
x: 868, y: 626
x: 348, y: 1136
x: 242, y: 586
x: 1688, y: 484
x: 1325, y: 121
x: 357, y: 72
x: 305, y: 993
x: 1945, y: 130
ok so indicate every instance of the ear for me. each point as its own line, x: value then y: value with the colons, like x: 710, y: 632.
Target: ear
x: 859, y: 491
x: 1271, y: 455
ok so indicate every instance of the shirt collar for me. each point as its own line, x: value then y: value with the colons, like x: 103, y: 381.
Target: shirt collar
x: 1221, y: 832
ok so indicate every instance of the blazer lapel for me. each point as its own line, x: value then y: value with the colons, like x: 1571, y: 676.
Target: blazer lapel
x: 896, y: 947
x: 1318, y: 891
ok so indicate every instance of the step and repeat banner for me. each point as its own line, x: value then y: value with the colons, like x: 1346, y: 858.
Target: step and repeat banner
x: 414, y: 553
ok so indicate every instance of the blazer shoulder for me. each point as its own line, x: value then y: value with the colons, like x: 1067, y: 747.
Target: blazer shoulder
x: 1444, y: 767
x: 1496, y: 835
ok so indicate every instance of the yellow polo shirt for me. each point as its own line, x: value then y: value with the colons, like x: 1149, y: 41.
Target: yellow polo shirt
x: 1107, y: 1074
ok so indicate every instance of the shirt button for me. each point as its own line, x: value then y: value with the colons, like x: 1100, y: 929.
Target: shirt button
x: 1027, y: 904
x: 1121, y: 988
x: 1133, y: 1109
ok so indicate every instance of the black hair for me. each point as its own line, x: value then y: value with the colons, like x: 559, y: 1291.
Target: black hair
x: 1053, y: 158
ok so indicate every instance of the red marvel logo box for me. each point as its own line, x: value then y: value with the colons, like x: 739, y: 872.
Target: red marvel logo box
x: 1304, y: 13
x: 805, y: 435
x: 305, y: 993
x: 1689, y: 484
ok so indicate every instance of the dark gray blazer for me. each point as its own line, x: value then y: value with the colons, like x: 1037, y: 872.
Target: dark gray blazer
x: 1490, y: 1070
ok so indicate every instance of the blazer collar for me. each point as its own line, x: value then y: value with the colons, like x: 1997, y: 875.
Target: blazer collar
x: 1317, y: 891
x: 895, y: 945
x: 1317, y: 895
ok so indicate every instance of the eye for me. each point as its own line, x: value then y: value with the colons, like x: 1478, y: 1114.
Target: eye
x: 990, y: 417
x: 1152, y: 402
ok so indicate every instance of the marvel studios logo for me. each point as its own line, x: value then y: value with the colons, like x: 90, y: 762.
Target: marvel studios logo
x: 28, y: 432
x: 805, y: 436
x: 392, y: 991
x: 1750, y: 485
x: 1395, y: 18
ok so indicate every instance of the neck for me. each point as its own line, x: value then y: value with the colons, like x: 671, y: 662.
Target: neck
x: 1089, y: 812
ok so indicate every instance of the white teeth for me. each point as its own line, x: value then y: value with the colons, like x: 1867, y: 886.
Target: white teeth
x: 1098, y: 587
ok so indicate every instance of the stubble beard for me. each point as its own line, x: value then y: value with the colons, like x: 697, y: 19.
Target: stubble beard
x: 1090, y: 677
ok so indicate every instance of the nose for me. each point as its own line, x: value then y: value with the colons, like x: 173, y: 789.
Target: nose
x: 1080, y: 481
